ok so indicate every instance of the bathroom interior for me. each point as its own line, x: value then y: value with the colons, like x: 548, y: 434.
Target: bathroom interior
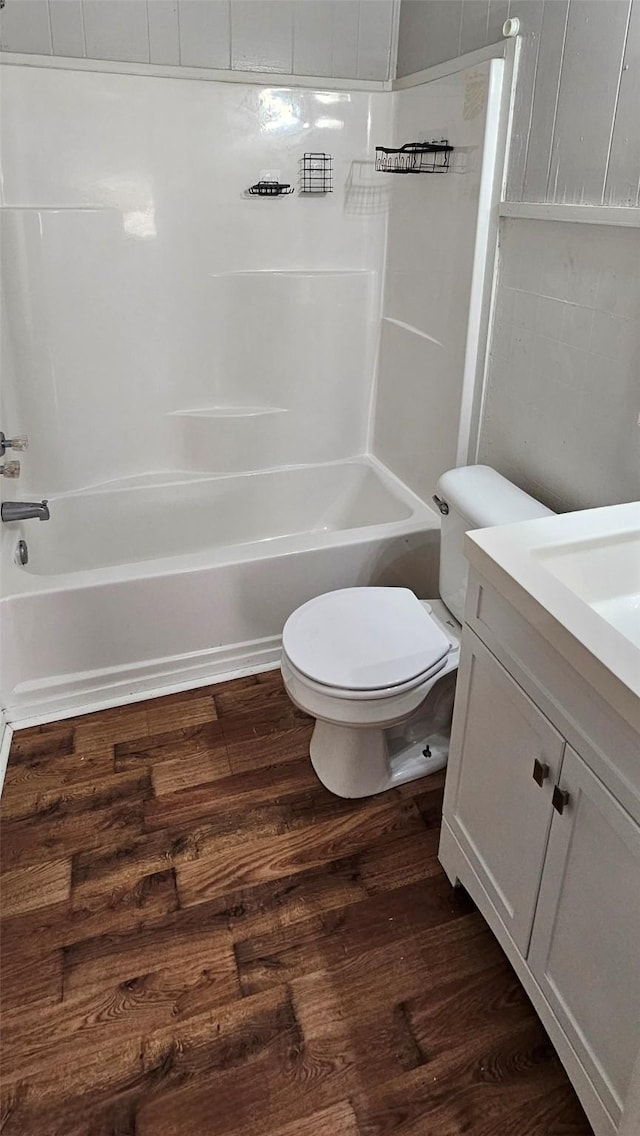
x: 320, y: 567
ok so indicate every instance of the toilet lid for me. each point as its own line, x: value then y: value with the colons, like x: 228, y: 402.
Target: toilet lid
x: 364, y: 638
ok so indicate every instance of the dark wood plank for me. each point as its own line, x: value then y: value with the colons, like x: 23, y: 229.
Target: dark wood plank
x: 185, y: 743
x: 27, y: 780
x: 191, y: 806
x: 266, y: 701
x: 110, y: 726
x: 337, y: 1120
x: 197, y: 937
x: 232, y: 861
x: 179, y: 964
x: 89, y: 912
x: 52, y: 740
x: 31, y: 976
x: 253, y: 743
x: 180, y: 772
x: 494, y: 1088
x: 178, y: 712
x: 346, y: 933
x: 36, y: 887
x: 81, y: 795
x: 42, y: 837
x: 86, y: 814
x: 47, y: 1098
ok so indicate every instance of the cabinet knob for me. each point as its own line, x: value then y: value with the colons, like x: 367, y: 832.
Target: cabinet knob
x: 559, y: 799
x: 540, y: 771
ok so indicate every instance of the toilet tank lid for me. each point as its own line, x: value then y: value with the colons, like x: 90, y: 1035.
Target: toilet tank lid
x: 484, y: 497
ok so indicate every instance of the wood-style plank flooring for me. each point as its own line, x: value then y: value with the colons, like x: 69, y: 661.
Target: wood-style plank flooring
x: 198, y: 939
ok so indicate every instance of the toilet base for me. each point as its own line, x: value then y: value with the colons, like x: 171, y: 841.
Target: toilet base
x: 352, y: 762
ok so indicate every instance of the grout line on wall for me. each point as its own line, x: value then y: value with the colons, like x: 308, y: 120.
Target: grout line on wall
x: 617, y: 102
x: 50, y: 24
x: 392, y: 69
x: 358, y: 41
x: 146, y: 8
x: 557, y: 100
x: 230, y: 19
x: 530, y: 119
x: 180, y: 34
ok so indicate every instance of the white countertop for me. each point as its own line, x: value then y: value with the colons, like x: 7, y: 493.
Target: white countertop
x: 576, y: 578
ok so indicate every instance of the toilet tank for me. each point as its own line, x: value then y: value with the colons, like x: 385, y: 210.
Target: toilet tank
x: 477, y: 497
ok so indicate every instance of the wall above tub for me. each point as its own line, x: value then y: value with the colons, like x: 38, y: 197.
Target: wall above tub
x: 574, y: 133
x: 431, y: 238
x: 342, y: 39
x: 159, y: 320
x: 561, y: 407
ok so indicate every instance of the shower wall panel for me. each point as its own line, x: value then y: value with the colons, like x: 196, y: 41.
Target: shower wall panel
x: 431, y: 241
x: 159, y: 320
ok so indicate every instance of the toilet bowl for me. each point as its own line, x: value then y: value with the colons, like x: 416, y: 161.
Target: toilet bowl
x: 363, y: 661
x: 376, y: 667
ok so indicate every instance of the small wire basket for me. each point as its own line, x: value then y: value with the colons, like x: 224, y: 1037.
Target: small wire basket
x: 316, y: 173
x: 414, y: 158
x: 270, y: 189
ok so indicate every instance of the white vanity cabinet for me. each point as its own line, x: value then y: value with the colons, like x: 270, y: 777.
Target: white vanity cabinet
x: 534, y: 828
x: 499, y: 813
x: 585, y: 947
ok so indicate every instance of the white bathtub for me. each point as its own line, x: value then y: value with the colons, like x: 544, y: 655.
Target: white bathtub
x: 146, y: 588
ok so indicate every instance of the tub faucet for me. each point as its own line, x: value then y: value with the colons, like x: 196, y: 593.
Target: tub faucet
x: 24, y: 510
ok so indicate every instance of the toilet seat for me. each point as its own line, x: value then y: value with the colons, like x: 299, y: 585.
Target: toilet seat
x: 364, y: 643
x: 379, y: 694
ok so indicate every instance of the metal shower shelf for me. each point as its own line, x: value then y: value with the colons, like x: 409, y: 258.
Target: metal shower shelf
x: 414, y: 158
x: 316, y: 173
x: 270, y: 189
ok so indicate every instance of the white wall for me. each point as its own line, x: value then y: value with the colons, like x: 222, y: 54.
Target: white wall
x: 159, y: 320
x: 563, y: 400
x: 563, y: 384
x: 575, y: 132
x: 345, y: 39
x: 430, y: 250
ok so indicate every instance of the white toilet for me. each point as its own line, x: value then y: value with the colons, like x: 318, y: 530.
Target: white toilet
x: 376, y: 667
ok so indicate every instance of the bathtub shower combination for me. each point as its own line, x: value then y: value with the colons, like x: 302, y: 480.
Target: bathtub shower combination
x: 233, y: 404
x: 143, y: 588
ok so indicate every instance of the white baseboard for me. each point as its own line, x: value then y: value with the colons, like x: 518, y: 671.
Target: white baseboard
x: 6, y: 734
x: 65, y: 696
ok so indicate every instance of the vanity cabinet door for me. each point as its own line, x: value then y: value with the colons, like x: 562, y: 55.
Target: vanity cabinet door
x: 499, y: 813
x: 585, y: 947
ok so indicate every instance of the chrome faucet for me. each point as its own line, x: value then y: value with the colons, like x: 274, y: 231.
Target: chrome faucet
x: 24, y: 510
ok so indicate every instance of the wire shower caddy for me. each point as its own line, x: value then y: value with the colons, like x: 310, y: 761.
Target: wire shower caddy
x: 414, y: 158
x: 316, y: 173
x: 266, y: 188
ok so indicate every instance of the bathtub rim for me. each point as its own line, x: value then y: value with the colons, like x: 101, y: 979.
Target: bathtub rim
x: 18, y: 582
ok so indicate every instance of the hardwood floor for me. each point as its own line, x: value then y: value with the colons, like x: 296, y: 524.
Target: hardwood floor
x: 198, y: 939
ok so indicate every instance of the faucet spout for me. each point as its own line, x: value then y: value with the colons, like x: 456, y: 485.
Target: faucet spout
x: 24, y: 510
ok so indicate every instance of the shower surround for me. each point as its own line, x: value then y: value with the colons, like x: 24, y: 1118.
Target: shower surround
x: 160, y: 320
x: 196, y: 371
